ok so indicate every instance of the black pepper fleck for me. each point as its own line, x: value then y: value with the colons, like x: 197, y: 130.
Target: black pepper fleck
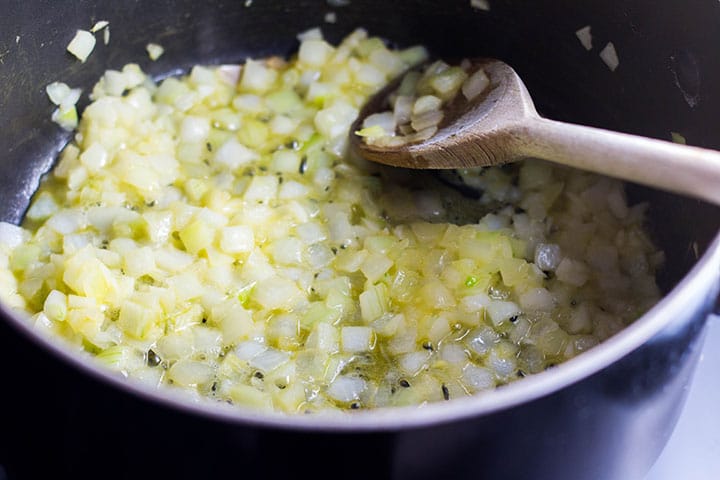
x: 153, y: 360
x: 404, y: 383
x: 446, y: 392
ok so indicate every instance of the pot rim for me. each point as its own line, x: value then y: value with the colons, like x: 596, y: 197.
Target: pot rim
x: 691, y: 290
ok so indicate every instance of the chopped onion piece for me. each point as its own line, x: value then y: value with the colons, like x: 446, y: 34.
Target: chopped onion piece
x: 256, y: 77
x: 547, y: 256
x: 338, y: 3
x: 229, y: 74
x: 610, y: 57
x: 678, y: 138
x: 233, y: 154
x: 500, y: 311
x: 189, y: 372
x: 425, y: 104
x: 57, y: 92
x: 356, y: 339
x: 426, y: 120
x: 538, y: 299
x: 268, y: 360
x: 154, y: 51
x: 82, y: 45
x: 67, y: 118
x: 423, y: 134
x: 476, y: 84
x: 237, y: 239
x: 249, y: 350
x: 412, y: 363
x: 478, y: 378
x: 99, y: 26
x: 314, y: 52
x: 346, y: 389
x: 403, y: 109
x: 454, y: 354
x: 372, y: 132
x: 311, y: 34
x: 385, y: 121
x: 585, y: 37
x: 480, y: 4
x: 11, y: 235
x: 482, y: 339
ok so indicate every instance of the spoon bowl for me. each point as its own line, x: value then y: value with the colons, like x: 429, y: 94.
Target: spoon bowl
x: 501, y: 125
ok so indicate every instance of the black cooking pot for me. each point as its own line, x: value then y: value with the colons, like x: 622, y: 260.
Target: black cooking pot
x: 604, y: 415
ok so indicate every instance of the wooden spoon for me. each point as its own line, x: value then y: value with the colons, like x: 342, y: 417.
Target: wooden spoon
x: 501, y: 125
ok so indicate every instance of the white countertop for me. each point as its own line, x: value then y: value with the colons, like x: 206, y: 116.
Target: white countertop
x: 693, y: 452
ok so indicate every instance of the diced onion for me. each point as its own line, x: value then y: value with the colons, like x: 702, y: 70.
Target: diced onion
x: 476, y: 84
x: 99, y: 26
x: 356, y: 339
x: 154, y: 51
x: 188, y: 372
x: 214, y: 232
x: 249, y: 350
x: 478, y: 378
x: 585, y: 36
x: 82, y: 45
x: 547, y: 256
x: 268, y: 360
x: 346, y: 389
x: 678, y: 138
x: 411, y: 363
x: 480, y: 4
x: 610, y: 57
x: 11, y: 235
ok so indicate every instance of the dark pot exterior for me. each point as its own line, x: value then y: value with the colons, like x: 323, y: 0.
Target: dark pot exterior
x: 610, y: 422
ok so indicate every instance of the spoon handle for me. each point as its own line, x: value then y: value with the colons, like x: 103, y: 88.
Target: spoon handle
x: 678, y: 168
